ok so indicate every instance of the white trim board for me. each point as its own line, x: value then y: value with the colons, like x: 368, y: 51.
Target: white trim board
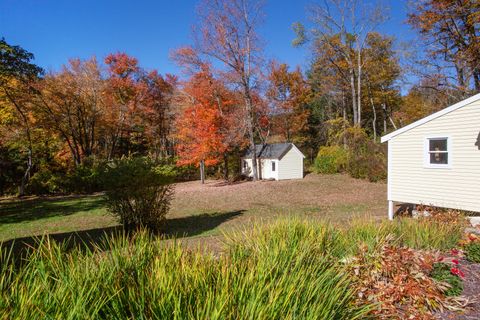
x: 431, y: 117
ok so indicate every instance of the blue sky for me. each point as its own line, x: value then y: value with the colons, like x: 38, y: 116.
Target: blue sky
x: 58, y: 30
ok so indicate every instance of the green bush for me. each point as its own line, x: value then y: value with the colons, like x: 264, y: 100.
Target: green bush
x: 364, y: 158
x: 472, y: 252
x: 83, y: 179
x: 441, y: 272
x: 137, y: 192
x: 331, y: 159
x: 44, y: 181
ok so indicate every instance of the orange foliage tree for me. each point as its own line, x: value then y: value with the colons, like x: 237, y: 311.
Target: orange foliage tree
x: 287, y: 94
x: 207, y: 129
x: 137, y: 106
x: 227, y: 36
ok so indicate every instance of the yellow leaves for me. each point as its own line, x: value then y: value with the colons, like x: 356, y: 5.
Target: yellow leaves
x: 7, y: 114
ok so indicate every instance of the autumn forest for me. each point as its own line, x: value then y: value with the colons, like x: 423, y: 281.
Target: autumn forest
x: 58, y: 128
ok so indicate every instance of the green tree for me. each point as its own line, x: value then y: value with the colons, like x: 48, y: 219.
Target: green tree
x: 17, y: 76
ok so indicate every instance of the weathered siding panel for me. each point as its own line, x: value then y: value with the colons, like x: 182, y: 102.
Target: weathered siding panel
x: 291, y: 165
x: 454, y: 187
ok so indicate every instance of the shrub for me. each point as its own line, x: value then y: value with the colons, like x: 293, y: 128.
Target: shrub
x: 138, y: 192
x: 331, y: 159
x: 442, y: 272
x: 367, y: 159
x: 44, y: 181
x: 84, y: 178
x: 472, y: 252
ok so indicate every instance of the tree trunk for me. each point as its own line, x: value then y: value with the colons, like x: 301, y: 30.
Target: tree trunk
x: 374, y: 121
x: 202, y: 171
x: 225, y: 166
x: 26, y: 176
x: 344, y: 111
x: 460, y: 75
x: 476, y: 80
x: 251, y: 137
x: 354, y: 98
x: 359, y: 89
x: 393, y: 123
x: 385, y: 116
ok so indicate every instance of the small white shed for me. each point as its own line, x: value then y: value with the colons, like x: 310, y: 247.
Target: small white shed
x: 279, y: 161
x: 436, y: 160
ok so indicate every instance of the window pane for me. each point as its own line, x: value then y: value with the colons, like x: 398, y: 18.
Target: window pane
x: 438, y: 144
x: 273, y: 166
x: 438, y: 158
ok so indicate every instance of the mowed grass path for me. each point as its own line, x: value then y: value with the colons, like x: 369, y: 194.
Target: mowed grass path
x: 205, y: 210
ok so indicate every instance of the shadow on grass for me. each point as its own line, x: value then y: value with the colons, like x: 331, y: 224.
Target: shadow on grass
x: 35, y: 209
x: 93, y: 238
x: 225, y: 183
x: 197, y: 224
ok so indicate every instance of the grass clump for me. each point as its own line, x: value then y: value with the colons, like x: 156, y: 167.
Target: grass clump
x: 428, y: 233
x: 142, y: 277
x: 289, y: 270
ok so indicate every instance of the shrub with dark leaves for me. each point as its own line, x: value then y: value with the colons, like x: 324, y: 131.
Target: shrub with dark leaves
x: 450, y: 274
x: 472, y: 248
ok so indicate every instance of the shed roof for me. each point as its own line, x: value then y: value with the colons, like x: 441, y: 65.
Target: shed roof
x: 431, y: 117
x: 270, y: 151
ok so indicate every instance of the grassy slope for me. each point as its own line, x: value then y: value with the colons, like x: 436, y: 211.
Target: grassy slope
x: 206, y: 210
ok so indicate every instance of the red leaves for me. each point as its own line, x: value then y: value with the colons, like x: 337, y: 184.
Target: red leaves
x: 121, y: 65
x: 456, y: 271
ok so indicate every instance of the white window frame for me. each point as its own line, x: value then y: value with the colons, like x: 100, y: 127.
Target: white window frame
x: 426, y: 152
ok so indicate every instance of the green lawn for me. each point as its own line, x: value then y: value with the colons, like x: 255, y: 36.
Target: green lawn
x: 203, y: 210
x: 24, y: 218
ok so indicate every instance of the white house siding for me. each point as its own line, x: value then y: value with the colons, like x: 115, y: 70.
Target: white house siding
x: 267, y: 172
x: 455, y: 187
x: 291, y: 165
x: 266, y: 168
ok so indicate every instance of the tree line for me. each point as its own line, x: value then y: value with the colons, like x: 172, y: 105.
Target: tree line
x: 231, y: 96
